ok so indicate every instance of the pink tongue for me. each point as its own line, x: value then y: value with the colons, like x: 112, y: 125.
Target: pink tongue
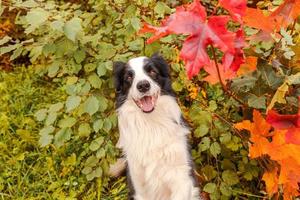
x: 147, y: 104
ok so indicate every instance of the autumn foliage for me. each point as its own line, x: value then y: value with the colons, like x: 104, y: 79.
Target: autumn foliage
x: 278, y: 136
x: 281, y: 144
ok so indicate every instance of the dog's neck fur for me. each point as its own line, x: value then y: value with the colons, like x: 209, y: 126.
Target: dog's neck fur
x: 156, y: 150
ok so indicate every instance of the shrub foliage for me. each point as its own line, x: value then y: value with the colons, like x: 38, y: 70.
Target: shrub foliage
x: 58, y: 127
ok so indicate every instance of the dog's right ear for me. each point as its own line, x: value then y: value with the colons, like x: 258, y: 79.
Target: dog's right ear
x: 118, y: 72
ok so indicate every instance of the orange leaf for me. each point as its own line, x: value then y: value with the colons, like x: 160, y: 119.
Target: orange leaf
x: 285, y: 154
x: 259, y: 130
x: 255, y: 18
x: 287, y: 12
x: 248, y: 66
x: 261, y: 126
x: 289, y: 177
x: 271, y: 180
x: 213, y: 77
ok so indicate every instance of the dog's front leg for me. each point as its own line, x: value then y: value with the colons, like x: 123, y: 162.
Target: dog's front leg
x: 137, y: 179
x: 181, y: 188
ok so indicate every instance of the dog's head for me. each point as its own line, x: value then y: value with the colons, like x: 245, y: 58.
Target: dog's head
x: 143, y: 80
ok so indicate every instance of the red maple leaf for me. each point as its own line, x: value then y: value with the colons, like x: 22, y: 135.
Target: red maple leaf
x: 236, y: 8
x: 191, y: 20
x: 287, y: 122
x: 233, y: 60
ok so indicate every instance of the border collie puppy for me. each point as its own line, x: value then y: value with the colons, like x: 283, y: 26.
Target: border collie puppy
x: 153, y: 135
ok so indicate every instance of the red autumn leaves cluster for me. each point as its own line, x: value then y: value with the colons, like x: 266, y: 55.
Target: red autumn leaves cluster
x: 211, y: 31
x: 281, y: 144
x: 204, y: 31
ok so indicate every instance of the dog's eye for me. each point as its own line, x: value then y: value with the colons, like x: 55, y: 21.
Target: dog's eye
x: 152, y: 72
x: 129, y: 77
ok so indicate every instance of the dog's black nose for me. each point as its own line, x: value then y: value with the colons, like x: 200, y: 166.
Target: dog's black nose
x: 143, y: 86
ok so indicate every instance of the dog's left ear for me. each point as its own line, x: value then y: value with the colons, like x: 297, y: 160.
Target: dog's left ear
x: 161, y: 64
x: 118, y: 71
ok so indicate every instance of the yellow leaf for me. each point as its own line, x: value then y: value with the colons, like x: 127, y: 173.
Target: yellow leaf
x: 279, y: 95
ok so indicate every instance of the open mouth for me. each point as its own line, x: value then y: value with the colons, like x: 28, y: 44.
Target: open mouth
x: 146, y: 103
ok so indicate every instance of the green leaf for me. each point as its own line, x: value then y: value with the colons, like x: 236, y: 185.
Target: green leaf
x: 79, y: 56
x: 100, y: 153
x: 136, y: 45
x: 84, y: 130
x: 35, y: 53
x: 215, y: 149
x: 5, y: 39
x: 70, y: 161
x: 67, y: 122
x: 161, y: 9
x: 9, y: 48
x: 257, y: 102
x: 204, y: 144
x: 91, y: 105
x: 51, y: 118
x: 35, y: 18
x: 98, y: 172
x: 244, y: 83
x: 209, y: 172
x: 57, y: 25
x: 103, y: 53
x: 89, y: 67
x: 294, y: 79
x: 56, y: 107
x: 135, y: 22
x: 47, y: 130
x: 53, y: 69
x: 62, y: 136
x: 201, y: 131
x: 91, y: 161
x: 95, y: 81
x: 101, y: 69
x: 107, y: 125
x: 230, y: 177
x: 272, y: 79
x: 98, y: 125
x: 95, y: 144
x: 177, y: 86
x: 45, y: 138
x: 87, y: 170
x: 210, y: 188
x: 212, y: 106
x: 72, y: 102
x: 40, y: 115
x: 225, y: 189
x: 103, y: 103
x: 72, y: 28
x: 225, y: 138
x: 90, y: 176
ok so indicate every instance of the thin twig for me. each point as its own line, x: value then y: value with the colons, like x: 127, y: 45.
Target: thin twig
x: 293, y: 26
x: 247, y: 194
x: 220, y: 79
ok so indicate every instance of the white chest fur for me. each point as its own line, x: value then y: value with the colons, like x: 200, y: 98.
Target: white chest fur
x: 155, y: 147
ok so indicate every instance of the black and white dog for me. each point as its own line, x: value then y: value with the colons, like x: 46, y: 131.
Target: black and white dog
x: 153, y: 136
